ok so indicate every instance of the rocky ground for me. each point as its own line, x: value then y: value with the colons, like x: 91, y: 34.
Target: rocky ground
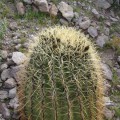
x: 20, y: 21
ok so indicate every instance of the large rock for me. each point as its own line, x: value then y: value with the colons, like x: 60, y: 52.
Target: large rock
x: 85, y: 24
x: 42, y: 5
x: 92, y: 31
x: 101, y: 40
x: 6, y: 74
x: 66, y: 10
x: 107, y: 72
x: 4, y: 111
x: 18, y: 58
x: 3, y: 94
x: 10, y: 83
x: 103, y: 4
x: 20, y: 8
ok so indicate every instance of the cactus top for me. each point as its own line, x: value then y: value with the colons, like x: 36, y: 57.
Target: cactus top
x: 63, y: 78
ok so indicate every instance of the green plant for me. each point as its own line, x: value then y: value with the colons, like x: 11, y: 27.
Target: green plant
x: 63, y: 79
x: 3, y: 10
x: 115, y: 44
x: 3, y: 28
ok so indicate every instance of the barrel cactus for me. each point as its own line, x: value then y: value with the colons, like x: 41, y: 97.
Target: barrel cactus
x: 63, y: 78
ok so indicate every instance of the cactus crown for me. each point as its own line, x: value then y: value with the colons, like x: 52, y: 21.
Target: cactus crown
x: 64, y: 79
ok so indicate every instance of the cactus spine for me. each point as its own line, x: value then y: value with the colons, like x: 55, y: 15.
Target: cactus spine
x: 63, y: 78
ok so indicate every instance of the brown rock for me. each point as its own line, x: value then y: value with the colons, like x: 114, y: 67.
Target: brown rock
x: 20, y: 8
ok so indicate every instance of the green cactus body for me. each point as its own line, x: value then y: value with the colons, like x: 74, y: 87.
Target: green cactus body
x: 63, y: 78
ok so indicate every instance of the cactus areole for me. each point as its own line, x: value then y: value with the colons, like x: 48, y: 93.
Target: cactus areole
x: 63, y: 78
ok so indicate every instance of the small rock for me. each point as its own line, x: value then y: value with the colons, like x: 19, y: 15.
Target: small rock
x: 20, y: 8
x: 6, y: 74
x: 4, y: 111
x: 95, y: 12
x: 17, y: 47
x: 4, y: 54
x: 106, y: 31
x: 66, y: 10
x: 28, y: 1
x: 109, y: 114
x: 18, y: 58
x: 101, y: 40
x: 103, y: 4
x: 108, y: 23
x: 3, y: 66
x: 113, y: 19
x: 118, y: 59
x: 107, y: 72
x: 118, y: 87
x: 64, y: 22
x: 13, y: 26
x: 42, y: 5
x: 12, y: 93
x: 3, y: 94
x: 17, y: 72
x: 14, y: 103
x: 9, y: 83
x: 93, y: 31
x: 118, y: 72
x: 108, y: 102
x: 53, y: 10
x: 84, y: 25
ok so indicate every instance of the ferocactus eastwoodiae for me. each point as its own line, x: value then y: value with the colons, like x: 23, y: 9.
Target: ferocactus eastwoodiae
x: 63, y: 79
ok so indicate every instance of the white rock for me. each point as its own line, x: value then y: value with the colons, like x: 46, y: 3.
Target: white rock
x: 101, y: 40
x: 18, y: 58
x: 107, y: 72
x: 66, y: 10
x: 13, y: 26
x: 85, y: 24
x: 92, y: 31
x: 42, y: 5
